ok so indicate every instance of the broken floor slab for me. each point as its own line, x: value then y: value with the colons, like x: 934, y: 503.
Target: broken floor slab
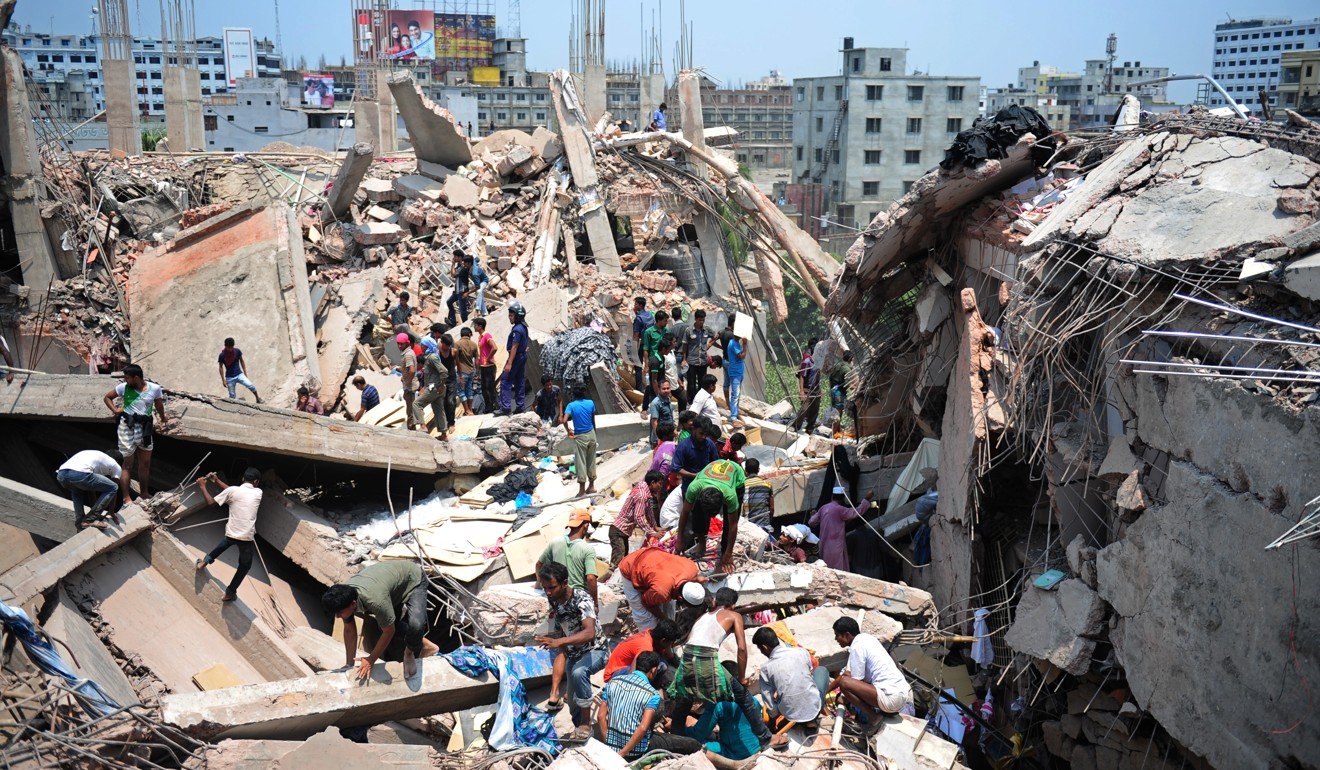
x: 298, y: 708
x: 432, y: 130
x: 34, y: 577
x: 35, y: 511
x: 1056, y: 625
x: 327, y: 750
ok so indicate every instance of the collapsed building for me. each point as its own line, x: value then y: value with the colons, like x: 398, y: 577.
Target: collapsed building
x: 1113, y: 341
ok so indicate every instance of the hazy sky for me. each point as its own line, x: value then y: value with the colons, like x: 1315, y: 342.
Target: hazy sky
x: 740, y: 40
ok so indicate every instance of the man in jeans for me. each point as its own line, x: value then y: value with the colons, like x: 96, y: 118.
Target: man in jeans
x: 580, y: 648
x: 486, y: 348
x: 90, y: 471
x: 692, y: 355
x: 734, y: 369
x: 233, y: 370
x: 241, y: 528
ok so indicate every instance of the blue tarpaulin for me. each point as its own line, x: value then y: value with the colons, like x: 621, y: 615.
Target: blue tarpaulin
x: 517, y: 723
x: 49, y: 660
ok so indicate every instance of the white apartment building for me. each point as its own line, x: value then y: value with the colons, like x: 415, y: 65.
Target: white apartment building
x: 868, y: 133
x: 1247, y: 56
x: 56, y: 59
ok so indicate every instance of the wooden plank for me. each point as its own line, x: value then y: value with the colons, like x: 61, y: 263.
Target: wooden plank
x: 215, y: 678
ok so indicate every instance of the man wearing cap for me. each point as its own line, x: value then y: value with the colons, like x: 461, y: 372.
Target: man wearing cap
x: 831, y: 519
x: 409, y: 372
x: 514, y: 379
x: 575, y: 553
x: 650, y: 578
x: 791, y: 539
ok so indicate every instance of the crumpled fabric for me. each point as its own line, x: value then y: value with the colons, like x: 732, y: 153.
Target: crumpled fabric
x: 49, y: 660
x: 921, y: 546
x: 983, y: 652
x: 991, y: 136
x: 521, y: 480
x: 517, y: 723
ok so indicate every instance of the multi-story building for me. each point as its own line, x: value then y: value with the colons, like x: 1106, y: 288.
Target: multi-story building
x: 1299, y: 82
x: 1057, y: 115
x: 1094, y: 94
x: 45, y: 54
x: 762, y: 114
x: 1248, y: 57
x: 867, y: 134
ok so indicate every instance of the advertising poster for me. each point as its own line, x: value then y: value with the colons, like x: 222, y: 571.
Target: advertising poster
x: 240, y: 54
x: 409, y: 36
x: 318, y: 90
x: 469, y: 38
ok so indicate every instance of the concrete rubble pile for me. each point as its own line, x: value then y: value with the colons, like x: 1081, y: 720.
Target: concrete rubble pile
x: 298, y: 254
x: 1113, y: 350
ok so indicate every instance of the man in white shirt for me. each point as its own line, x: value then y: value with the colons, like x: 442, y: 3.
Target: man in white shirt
x: 241, y: 529
x: 90, y: 471
x: 135, y: 425
x: 872, y: 681
x: 671, y: 509
x: 704, y: 402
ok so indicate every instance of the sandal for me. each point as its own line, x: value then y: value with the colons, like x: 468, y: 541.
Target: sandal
x: 553, y: 705
x: 229, y: 598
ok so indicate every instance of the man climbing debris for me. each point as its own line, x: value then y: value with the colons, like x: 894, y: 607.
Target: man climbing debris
x: 132, y: 402
x: 94, y: 472
x: 390, y: 596
x: 243, y: 501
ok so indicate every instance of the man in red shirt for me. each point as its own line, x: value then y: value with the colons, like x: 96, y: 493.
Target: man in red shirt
x: 486, y: 348
x: 651, y: 578
x: 660, y: 640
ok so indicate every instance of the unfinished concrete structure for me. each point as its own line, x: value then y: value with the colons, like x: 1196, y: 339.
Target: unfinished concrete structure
x: 182, y: 78
x: 1118, y: 371
x: 117, y: 77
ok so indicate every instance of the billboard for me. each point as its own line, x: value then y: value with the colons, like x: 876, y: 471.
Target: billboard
x: 240, y: 54
x: 464, y: 39
x: 407, y: 36
x: 318, y: 90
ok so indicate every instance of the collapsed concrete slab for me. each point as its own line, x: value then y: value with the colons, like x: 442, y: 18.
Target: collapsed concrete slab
x: 241, y: 274
x: 34, y: 577
x: 1056, y: 625
x: 23, y: 176
x: 777, y: 585
x: 582, y: 161
x: 327, y: 750
x: 435, y: 136
x: 35, y: 511
x: 302, y: 535
x: 298, y: 708
x: 357, y: 160
x: 339, y: 327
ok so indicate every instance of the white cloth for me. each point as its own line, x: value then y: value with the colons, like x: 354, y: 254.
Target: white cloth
x: 641, y: 616
x: 870, y: 662
x: 671, y: 372
x: 704, y: 405
x: 92, y: 461
x: 800, y: 532
x: 707, y: 632
x: 983, y: 652
x: 142, y: 404
x: 671, y: 509
x: 243, y: 503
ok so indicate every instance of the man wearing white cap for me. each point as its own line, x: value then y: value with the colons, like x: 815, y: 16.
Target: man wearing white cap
x: 791, y: 538
x: 650, y: 578
x: 831, y: 520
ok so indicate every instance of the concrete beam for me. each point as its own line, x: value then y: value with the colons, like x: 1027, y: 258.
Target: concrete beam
x: 298, y: 708
x: 247, y: 633
x: 325, y: 749
x: 120, y: 90
x: 302, y: 535
x: 34, y: 577
x: 89, y: 657
x: 435, y: 136
x: 782, y: 585
x: 709, y: 235
x: 215, y: 420
x: 357, y: 159
x: 35, y: 511
x: 574, y: 129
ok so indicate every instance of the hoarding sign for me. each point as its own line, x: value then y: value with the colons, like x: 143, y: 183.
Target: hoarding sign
x: 407, y: 36
x: 465, y: 37
x: 240, y: 54
x: 318, y: 90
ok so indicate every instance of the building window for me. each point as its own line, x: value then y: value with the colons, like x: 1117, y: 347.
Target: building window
x: 907, y: 187
x: 229, y: 118
x: 914, y: 125
x: 955, y: 93
x: 799, y: 152
x: 153, y: 60
x: 916, y: 93
x: 834, y: 154
x: 260, y: 130
x: 90, y: 59
x: 870, y: 189
x: 838, y: 93
x: 820, y: 124
x: 874, y: 93
x: 820, y: 155
x: 522, y: 117
x: 873, y: 125
x: 953, y: 125
x: 801, y: 93
x: 210, y: 123
x: 885, y: 65
x: 912, y: 157
x: 871, y: 157
x: 501, y: 116
x: 541, y: 97
x: 523, y: 97
x: 540, y: 116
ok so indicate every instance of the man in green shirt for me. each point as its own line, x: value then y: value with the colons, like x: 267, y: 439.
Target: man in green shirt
x: 575, y: 553
x: 387, y: 594
x: 650, y: 347
x: 717, y: 490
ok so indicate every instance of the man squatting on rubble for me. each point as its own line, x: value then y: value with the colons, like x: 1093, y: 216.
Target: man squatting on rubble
x: 872, y: 682
x: 241, y: 527
x: 94, y: 472
x: 386, y: 594
x: 135, y: 428
x: 578, y: 644
x: 717, y: 489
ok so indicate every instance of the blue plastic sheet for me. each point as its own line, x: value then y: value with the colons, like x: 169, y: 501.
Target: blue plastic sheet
x: 49, y: 660
x: 517, y: 723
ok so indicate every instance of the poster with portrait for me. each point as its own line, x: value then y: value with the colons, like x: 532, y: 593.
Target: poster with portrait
x: 407, y: 36
x: 318, y: 90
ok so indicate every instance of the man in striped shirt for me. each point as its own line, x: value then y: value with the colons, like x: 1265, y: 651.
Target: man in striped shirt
x: 639, y: 510
x: 629, y: 704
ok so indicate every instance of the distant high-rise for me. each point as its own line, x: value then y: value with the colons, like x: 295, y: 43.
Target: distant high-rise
x: 1248, y: 54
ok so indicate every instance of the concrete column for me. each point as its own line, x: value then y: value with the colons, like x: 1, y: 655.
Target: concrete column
x: 176, y: 121
x: 192, y: 106
x: 593, y: 92
x: 121, y: 105
x: 356, y: 162
x: 582, y: 162
x: 709, y: 234
x: 652, y: 93
x: 23, y: 176
x: 387, y: 125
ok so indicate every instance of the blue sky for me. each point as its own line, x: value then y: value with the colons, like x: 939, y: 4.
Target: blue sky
x: 740, y: 40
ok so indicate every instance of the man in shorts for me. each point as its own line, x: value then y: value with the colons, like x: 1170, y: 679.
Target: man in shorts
x: 132, y: 402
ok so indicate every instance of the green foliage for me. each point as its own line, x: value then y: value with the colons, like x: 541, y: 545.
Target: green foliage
x: 745, y: 171
x: 738, y: 246
x: 150, y: 137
